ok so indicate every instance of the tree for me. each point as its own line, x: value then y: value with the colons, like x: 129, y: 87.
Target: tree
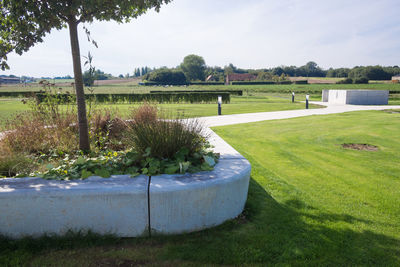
x: 23, y: 23
x: 194, y: 67
x: 167, y: 76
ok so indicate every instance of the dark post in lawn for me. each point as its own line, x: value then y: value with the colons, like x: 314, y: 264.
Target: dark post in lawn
x: 219, y: 104
x: 307, y: 97
x: 292, y: 97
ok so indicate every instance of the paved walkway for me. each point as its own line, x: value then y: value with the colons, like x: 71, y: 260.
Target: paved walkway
x: 276, y: 115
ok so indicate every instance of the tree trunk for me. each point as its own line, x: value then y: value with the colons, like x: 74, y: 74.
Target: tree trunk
x: 80, y: 94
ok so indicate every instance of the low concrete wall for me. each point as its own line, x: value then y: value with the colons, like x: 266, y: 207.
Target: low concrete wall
x: 356, y: 97
x: 337, y: 96
x: 33, y: 206
x: 367, y: 97
x: 194, y: 202
x: 119, y: 205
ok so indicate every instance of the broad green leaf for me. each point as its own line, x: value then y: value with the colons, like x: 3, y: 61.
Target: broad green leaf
x: 171, y: 169
x: 184, y: 166
x: 49, y: 166
x: 209, y: 160
x: 102, y: 173
x: 80, y: 160
x: 85, y: 174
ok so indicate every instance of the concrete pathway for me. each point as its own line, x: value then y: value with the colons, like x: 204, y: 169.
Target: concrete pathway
x: 276, y: 115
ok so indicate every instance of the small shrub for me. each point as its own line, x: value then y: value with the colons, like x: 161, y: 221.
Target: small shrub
x: 30, y: 134
x: 14, y: 164
x: 145, y: 114
x: 361, y: 80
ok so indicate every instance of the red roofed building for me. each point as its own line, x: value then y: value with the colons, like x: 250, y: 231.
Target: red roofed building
x: 239, y: 77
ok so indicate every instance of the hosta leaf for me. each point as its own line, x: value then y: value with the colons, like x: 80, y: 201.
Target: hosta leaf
x: 209, y: 160
x: 85, y: 174
x: 102, y: 173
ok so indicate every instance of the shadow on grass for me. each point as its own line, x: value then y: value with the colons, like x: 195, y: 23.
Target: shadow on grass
x: 289, y: 233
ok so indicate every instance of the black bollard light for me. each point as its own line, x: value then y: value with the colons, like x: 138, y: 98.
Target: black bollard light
x: 307, y: 97
x: 292, y: 97
x: 219, y: 105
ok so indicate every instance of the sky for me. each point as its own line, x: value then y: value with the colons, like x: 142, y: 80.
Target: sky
x: 249, y: 34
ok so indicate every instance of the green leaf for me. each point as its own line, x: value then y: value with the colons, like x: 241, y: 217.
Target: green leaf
x: 147, y: 152
x: 206, y: 167
x: 209, y: 160
x: 85, y: 174
x: 80, y: 160
x: 154, y: 163
x: 102, y: 173
x: 49, y: 166
x: 171, y: 169
x: 184, y: 166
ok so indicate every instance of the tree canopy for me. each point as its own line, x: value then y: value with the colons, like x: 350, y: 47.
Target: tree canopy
x: 194, y: 67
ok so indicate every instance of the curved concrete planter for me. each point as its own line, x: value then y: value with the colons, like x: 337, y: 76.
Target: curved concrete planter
x: 119, y: 205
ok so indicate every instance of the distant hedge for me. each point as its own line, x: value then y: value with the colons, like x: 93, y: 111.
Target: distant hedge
x: 232, y: 92
x: 260, y: 82
x: 17, y: 94
x: 301, y: 82
x: 206, y: 83
x: 252, y: 82
x: 161, y: 84
x: 192, y: 97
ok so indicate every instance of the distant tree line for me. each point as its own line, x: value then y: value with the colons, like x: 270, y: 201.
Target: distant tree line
x: 63, y: 77
x: 194, y: 69
x: 141, y: 71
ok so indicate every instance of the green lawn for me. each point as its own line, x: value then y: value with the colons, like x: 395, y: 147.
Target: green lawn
x: 10, y: 107
x: 310, y: 203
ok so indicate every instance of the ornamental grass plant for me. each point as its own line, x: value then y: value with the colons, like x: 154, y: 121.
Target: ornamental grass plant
x: 152, y: 130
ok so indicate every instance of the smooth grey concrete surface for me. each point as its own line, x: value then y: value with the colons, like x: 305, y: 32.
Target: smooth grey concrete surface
x: 356, y: 97
x: 34, y: 206
x: 191, y: 202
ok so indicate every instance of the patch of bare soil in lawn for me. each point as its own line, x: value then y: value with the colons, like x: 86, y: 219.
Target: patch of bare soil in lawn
x: 392, y: 111
x: 360, y: 147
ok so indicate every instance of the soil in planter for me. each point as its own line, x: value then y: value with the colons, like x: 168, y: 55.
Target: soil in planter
x: 360, y: 147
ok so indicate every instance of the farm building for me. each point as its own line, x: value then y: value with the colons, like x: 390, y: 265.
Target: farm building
x: 396, y: 77
x: 7, y: 80
x: 239, y: 77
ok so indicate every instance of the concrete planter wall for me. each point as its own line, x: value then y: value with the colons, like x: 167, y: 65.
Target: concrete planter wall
x: 119, y: 205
